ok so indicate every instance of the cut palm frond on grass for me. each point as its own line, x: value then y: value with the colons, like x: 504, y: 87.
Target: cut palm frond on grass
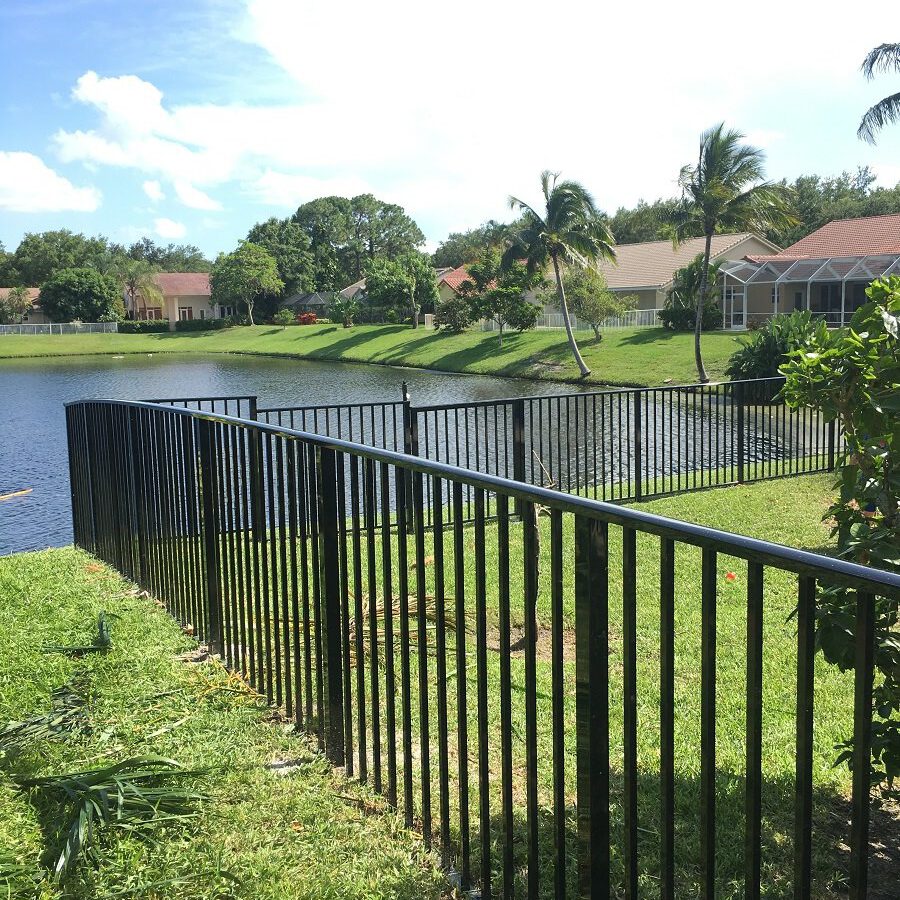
x: 134, y: 795
x: 102, y: 642
x: 66, y: 715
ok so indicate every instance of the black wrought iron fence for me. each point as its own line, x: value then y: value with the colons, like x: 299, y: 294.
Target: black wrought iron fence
x: 545, y: 697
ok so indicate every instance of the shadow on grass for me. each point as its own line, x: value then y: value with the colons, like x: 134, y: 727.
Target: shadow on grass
x: 830, y: 852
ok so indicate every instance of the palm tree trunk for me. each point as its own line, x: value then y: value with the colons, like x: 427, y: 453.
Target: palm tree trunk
x: 561, y: 295
x: 701, y: 305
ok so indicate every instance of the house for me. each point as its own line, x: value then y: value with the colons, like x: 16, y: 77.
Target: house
x: 646, y: 270
x: 357, y: 290
x: 826, y: 272
x: 185, y: 296
x: 35, y: 316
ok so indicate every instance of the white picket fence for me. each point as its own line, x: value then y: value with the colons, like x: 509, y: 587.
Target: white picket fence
x: 62, y: 328
x: 634, y: 318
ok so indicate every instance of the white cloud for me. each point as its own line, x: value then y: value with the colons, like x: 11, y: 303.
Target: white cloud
x: 169, y: 228
x: 290, y: 190
x: 28, y: 184
x: 194, y: 197
x: 154, y: 191
x: 886, y: 174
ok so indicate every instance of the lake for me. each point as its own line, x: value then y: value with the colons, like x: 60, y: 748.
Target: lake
x: 32, y: 421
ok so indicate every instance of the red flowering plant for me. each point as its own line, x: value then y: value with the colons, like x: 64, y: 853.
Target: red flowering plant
x: 852, y: 376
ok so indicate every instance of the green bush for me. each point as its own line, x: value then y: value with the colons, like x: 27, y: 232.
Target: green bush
x: 284, y: 317
x: 682, y: 318
x: 143, y: 326
x: 200, y: 324
x: 769, y: 346
x: 453, y: 314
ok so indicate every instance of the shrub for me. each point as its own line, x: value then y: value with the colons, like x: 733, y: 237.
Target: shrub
x: 306, y: 318
x: 284, y: 317
x: 200, y: 324
x: 769, y: 346
x: 83, y: 294
x: 852, y: 377
x: 453, y: 314
x: 682, y: 318
x: 521, y: 315
x: 343, y: 310
x: 143, y: 326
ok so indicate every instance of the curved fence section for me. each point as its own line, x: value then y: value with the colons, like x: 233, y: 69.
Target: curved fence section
x: 566, y: 702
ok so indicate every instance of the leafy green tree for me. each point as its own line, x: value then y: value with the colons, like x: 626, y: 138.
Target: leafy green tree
x: 14, y: 303
x: 7, y: 272
x: 884, y: 58
x: 289, y: 244
x: 81, y: 294
x: 461, y: 247
x: 568, y: 231
x: 852, y: 376
x: 405, y: 284
x: 592, y: 300
x: 326, y: 222
x: 646, y: 222
x: 453, y: 314
x: 498, y: 292
x: 40, y: 255
x: 242, y: 276
x: 138, y: 280
x: 171, y: 258
x: 680, y: 309
x: 725, y: 190
x: 379, y: 229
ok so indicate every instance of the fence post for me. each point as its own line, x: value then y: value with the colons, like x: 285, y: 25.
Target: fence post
x: 210, y: 532
x: 252, y: 404
x: 329, y: 615
x: 832, y: 442
x: 137, y: 476
x: 638, y: 443
x: 518, y: 447
x: 410, y: 447
x: 738, y: 400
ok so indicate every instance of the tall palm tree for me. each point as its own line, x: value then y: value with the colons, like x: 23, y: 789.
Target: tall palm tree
x: 569, y: 231
x: 725, y: 191
x: 884, y: 58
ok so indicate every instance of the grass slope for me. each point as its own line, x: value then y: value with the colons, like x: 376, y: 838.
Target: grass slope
x: 632, y: 357
x: 304, y: 833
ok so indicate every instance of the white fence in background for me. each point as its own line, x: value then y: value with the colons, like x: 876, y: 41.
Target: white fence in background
x: 634, y: 318
x: 62, y: 328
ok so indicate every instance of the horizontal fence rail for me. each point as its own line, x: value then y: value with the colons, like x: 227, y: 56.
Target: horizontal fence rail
x: 498, y: 681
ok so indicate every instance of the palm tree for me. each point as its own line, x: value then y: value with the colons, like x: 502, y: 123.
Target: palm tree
x: 570, y: 231
x: 725, y: 191
x: 884, y: 58
x: 138, y: 279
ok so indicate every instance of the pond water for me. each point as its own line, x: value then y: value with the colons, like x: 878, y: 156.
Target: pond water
x: 32, y: 421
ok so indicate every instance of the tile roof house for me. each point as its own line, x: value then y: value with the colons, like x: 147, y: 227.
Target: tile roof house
x: 185, y: 296
x: 826, y: 272
x: 35, y: 316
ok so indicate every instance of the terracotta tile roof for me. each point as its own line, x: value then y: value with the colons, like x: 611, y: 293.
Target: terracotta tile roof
x: 653, y: 264
x: 33, y: 295
x: 849, y: 237
x: 183, y: 284
x: 454, y: 278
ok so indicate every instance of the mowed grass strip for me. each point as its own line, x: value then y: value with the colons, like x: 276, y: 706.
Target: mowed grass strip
x: 294, y: 831
x: 640, y: 357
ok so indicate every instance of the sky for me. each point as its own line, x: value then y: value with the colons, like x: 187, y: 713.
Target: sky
x: 190, y: 120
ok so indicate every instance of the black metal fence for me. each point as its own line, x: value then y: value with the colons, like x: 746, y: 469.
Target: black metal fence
x: 528, y: 691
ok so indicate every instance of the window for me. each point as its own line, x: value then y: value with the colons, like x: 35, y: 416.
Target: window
x: 202, y: 313
x: 153, y: 312
x: 225, y: 311
x: 185, y: 313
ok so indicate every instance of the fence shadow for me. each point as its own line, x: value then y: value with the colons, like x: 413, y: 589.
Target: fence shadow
x: 830, y: 855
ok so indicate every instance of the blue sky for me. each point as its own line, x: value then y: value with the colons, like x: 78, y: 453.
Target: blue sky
x: 190, y: 121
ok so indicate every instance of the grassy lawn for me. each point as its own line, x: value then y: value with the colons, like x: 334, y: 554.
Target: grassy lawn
x: 304, y: 832
x: 639, y: 357
x: 302, y: 836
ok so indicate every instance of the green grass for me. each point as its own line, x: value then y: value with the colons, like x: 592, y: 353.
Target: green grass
x: 303, y: 834
x: 639, y: 357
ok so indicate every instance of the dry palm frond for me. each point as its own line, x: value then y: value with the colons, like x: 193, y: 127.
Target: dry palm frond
x: 66, y: 714
x: 133, y: 795
x: 102, y: 642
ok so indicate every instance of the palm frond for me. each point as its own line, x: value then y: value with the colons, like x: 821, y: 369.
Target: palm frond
x: 66, y: 714
x: 883, y: 58
x: 102, y: 642
x: 133, y: 795
x: 885, y: 112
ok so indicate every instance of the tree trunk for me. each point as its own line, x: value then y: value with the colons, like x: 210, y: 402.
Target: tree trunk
x: 250, y: 311
x: 597, y: 336
x: 701, y: 305
x: 561, y: 294
x: 500, y: 323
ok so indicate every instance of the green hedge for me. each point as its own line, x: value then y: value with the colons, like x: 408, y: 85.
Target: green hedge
x: 200, y: 324
x: 141, y: 326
